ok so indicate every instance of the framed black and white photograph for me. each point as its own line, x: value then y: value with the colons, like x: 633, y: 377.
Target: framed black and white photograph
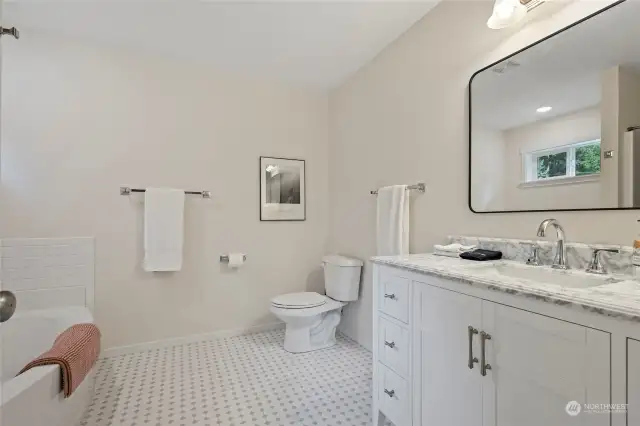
x: 282, y: 189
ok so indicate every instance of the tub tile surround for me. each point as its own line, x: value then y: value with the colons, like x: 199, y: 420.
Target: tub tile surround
x: 47, y: 273
x: 578, y: 254
x: 613, y: 299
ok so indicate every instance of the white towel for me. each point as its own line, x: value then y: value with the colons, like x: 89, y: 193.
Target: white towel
x: 163, y: 229
x: 451, y: 250
x: 393, y: 220
x: 454, y: 248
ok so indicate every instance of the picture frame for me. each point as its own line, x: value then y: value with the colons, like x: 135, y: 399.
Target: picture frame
x: 282, y: 189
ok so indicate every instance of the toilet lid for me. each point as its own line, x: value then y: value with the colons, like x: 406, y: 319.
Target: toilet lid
x: 299, y: 300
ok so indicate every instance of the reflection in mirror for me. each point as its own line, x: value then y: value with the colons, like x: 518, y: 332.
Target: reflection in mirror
x: 549, y: 125
x: 283, y: 184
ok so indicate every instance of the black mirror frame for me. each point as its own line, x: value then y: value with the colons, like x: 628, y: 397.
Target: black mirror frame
x: 612, y: 5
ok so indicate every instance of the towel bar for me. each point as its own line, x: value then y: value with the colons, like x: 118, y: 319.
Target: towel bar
x: 125, y: 190
x: 420, y: 187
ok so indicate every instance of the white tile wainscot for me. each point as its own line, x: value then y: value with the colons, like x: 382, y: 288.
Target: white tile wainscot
x: 49, y: 273
x: 543, y: 349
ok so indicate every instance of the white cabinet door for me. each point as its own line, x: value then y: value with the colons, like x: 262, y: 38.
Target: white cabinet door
x: 633, y: 382
x: 540, y: 364
x: 446, y: 391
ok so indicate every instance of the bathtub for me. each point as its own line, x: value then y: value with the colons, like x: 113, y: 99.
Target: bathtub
x: 34, y: 398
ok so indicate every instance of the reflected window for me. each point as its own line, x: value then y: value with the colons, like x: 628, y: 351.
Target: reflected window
x: 578, y: 159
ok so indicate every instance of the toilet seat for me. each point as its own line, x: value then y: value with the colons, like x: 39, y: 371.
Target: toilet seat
x: 304, y: 300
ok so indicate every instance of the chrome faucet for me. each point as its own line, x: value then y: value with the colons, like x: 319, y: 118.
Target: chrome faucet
x: 560, y: 261
x: 595, y: 266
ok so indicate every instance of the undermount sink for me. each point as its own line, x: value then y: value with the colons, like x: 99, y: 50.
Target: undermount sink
x: 547, y: 275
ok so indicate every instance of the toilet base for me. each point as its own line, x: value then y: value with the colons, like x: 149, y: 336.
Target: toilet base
x: 312, y: 333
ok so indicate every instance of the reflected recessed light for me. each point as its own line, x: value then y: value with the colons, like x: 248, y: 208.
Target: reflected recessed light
x: 544, y: 109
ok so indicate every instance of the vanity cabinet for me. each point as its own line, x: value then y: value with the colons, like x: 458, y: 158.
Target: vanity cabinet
x: 633, y: 383
x: 392, y: 343
x: 539, y: 364
x: 533, y: 364
x: 450, y: 390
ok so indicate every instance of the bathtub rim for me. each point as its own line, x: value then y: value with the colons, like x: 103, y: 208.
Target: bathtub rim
x: 16, y: 385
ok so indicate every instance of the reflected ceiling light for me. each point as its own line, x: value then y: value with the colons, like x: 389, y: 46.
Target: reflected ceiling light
x: 273, y: 170
x: 506, y: 13
x: 544, y: 109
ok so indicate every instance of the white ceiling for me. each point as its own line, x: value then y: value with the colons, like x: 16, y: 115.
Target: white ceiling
x: 314, y: 44
x: 563, y: 72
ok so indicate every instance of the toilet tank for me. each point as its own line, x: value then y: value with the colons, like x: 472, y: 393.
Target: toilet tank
x: 342, y: 277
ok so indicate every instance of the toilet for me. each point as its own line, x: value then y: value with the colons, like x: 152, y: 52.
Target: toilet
x: 312, y: 318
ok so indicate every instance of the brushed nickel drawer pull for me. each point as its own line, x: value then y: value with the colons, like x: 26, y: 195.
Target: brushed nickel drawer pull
x: 390, y: 344
x: 390, y: 296
x: 483, y: 364
x: 472, y: 359
x: 391, y: 393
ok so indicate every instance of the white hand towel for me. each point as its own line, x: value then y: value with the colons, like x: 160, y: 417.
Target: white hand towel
x: 453, y: 248
x: 393, y: 220
x: 163, y: 229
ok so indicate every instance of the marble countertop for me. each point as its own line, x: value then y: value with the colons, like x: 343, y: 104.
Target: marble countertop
x: 618, y: 296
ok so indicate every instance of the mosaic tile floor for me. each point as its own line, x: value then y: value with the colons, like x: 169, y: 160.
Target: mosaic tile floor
x: 244, y: 380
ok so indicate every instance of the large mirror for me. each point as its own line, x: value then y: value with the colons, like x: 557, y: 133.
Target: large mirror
x: 552, y: 125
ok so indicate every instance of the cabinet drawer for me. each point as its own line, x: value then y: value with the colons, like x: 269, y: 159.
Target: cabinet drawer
x: 394, y: 397
x: 393, y: 346
x: 394, y: 296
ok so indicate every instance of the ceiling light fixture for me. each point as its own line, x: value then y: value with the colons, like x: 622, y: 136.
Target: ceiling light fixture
x: 544, y: 109
x: 506, y: 13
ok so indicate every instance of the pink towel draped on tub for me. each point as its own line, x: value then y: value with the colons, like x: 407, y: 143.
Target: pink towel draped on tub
x: 75, y: 350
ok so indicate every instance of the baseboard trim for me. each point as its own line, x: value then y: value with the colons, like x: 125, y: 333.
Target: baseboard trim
x: 166, y: 343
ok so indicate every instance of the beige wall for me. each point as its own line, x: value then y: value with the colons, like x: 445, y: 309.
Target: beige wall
x: 80, y: 120
x: 403, y: 119
x: 620, y: 110
x: 577, y: 127
x: 629, y: 98
x: 489, y: 153
x: 610, y: 110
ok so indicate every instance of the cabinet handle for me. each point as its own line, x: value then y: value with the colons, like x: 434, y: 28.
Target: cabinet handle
x: 472, y: 359
x: 483, y: 364
x: 390, y: 344
x: 391, y: 393
x: 390, y: 296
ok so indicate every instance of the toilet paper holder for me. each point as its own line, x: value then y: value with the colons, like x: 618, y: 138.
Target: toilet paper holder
x: 225, y: 258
